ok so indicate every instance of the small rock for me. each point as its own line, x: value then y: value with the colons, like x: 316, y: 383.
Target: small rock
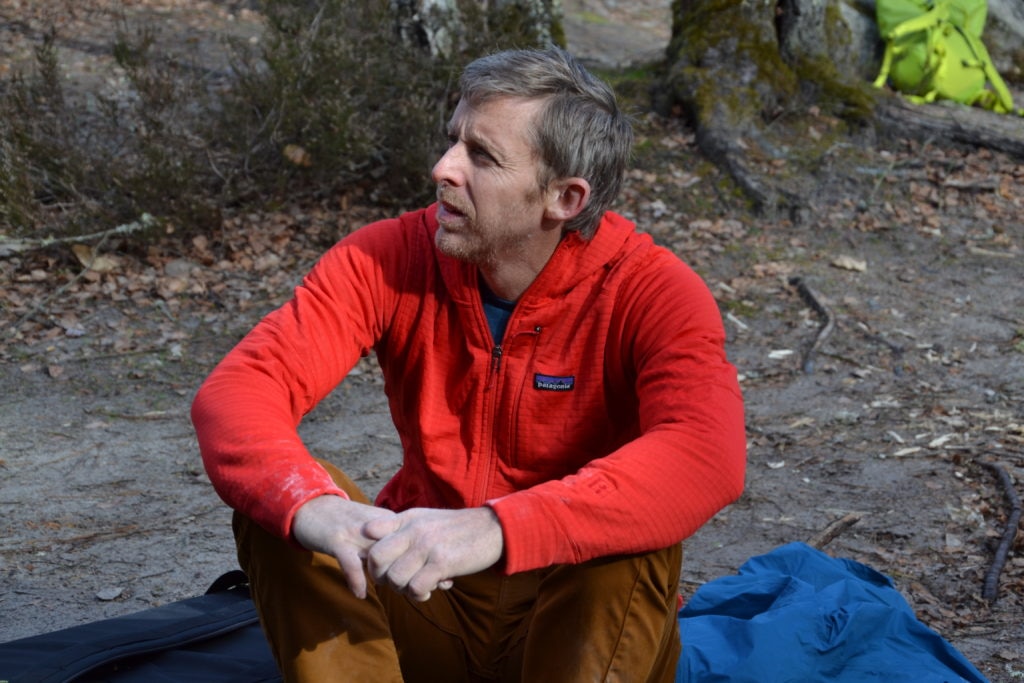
x: 179, y: 268
x: 108, y: 594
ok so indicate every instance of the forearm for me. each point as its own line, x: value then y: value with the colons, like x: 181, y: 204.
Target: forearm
x: 252, y: 451
x: 247, y: 412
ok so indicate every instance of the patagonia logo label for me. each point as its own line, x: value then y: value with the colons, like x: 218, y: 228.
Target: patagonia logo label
x: 552, y: 383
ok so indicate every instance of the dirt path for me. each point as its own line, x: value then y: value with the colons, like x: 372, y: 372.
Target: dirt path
x: 105, y: 510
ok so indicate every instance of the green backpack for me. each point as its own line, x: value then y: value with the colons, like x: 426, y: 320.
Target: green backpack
x: 933, y: 50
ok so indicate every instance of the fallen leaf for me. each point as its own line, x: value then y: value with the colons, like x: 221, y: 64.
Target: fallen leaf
x: 298, y: 156
x: 850, y: 263
x: 936, y: 443
x: 91, y: 259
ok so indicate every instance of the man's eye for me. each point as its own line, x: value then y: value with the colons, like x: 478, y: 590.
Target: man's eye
x: 474, y: 150
x: 482, y: 154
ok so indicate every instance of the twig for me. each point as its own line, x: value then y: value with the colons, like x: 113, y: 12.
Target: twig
x: 122, y: 531
x: 851, y: 361
x: 991, y: 588
x: 897, y: 349
x: 150, y: 415
x: 986, y: 185
x: 819, y: 307
x: 144, y: 222
x: 17, y: 246
x: 828, y: 534
x: 881, y: 179
x: 63, y: 288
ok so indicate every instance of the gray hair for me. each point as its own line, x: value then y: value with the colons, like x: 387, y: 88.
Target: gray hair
x: 581, y: 132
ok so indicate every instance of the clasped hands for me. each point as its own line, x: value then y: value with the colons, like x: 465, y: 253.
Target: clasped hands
x: 416, y: 551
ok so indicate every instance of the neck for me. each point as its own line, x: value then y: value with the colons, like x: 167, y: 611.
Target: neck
x: 508, y: 275
x: 507, y: 281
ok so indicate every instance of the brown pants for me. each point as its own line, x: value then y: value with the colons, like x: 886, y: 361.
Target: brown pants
x: 610, y: 619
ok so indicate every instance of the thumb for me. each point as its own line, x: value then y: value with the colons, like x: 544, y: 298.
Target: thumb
x: 380, y: 527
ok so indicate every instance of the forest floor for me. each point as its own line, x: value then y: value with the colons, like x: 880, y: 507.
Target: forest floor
x: 915, y: 252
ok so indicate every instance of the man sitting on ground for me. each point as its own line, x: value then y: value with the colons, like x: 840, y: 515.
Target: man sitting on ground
x: 559, y: 383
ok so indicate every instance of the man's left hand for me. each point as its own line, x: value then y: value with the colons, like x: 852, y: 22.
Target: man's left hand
x: 421, y: 550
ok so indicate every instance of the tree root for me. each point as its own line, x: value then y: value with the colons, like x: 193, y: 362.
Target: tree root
x: 951, y: 123
x: 827, y: 325
x: 991, y: 586
x: 768, y: 198
x: 826, y: 535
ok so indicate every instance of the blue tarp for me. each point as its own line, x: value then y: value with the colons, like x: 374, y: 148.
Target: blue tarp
x: 796, y: 614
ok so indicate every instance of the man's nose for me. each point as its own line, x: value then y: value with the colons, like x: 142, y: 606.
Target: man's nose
x: 448, y: 167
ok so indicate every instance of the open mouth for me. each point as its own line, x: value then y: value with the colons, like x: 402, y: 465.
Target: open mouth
x: 447, y: 208
x: 451, y: 210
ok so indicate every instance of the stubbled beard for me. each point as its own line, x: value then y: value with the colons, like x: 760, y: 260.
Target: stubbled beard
x: 469, y: 244
x: 466, y: 245
x: 458, y: 248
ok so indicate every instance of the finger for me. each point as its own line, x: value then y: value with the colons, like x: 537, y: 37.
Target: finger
x: 425, y: 581
x: 419, y: 589
x: 383, y: 554
x: 352, y: 569
x: 402, y: 571
x: 380, y: 527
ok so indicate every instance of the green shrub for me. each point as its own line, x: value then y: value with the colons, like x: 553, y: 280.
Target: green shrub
x: 77, y: 162
x: 41, y: 163
x: 330, y: 101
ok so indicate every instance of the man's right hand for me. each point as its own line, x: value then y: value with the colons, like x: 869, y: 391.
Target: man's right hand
x: 334, y: 526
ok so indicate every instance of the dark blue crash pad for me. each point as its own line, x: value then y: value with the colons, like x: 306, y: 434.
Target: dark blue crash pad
x: 796, y: 614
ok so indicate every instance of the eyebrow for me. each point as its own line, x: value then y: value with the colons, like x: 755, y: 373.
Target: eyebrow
x: 476, y: 141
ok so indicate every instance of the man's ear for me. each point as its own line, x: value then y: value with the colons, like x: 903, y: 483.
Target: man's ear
x: 566, y: 198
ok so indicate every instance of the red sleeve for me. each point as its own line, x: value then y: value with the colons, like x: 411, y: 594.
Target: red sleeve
x: 689, y: 460
x: 247, y: 411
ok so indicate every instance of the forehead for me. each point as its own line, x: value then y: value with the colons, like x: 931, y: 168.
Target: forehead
x: 503, y: 122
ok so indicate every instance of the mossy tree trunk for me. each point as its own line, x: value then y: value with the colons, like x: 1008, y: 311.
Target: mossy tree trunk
x: 771, y: 85
x: 746, y: 71
x: 447, y: 26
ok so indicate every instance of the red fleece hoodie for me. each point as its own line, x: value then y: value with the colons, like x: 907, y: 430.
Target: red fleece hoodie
x: 607, y: 421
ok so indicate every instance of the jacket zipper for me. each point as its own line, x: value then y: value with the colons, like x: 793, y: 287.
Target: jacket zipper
x: 495, y: 362
x: 489, y: 417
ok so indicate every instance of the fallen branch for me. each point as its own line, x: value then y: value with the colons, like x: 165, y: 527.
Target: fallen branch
x: 11, y: 247
x: 58, y: 292
x: 991, y: 587
x: 145, y: 221
x: 149, y: 415
x: 985, y: 185
x: 897, y: 349
x: 829, y: 533
x: 828, y: 320
x: 954, y: 123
